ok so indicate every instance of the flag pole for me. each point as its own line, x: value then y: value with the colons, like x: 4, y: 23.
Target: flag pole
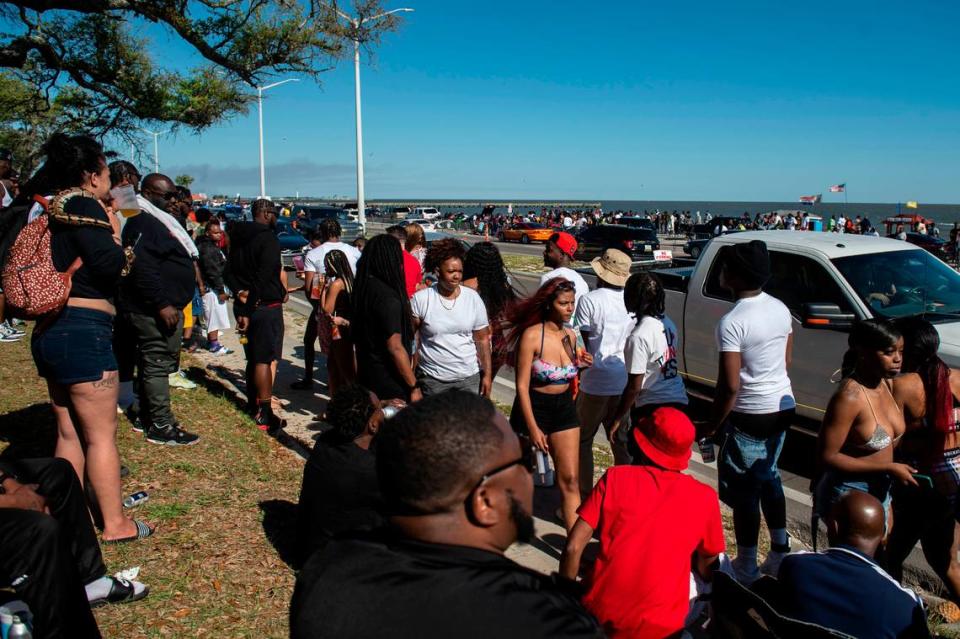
x: 845, y: 193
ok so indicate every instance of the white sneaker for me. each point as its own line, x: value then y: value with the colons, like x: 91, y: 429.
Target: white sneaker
x: 179, y: 380
x: 223, y: 350
x: 771, y: 565
x: 745, y: 572
x: 8, y: 334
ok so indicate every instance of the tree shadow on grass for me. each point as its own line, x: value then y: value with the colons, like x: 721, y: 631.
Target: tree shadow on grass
x: 30, y: 432
x: 280, y: 527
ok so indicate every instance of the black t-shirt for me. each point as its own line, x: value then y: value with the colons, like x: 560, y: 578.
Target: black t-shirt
x: 339, y: 494
x: 372, y: 325
x: 370, y: 589
x: 99, y: 275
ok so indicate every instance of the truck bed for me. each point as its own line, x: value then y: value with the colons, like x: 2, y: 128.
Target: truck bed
x: 674, y: 279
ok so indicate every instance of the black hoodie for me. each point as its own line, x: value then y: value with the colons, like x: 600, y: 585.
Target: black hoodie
x: 212, y: 264
x: 254, y: 266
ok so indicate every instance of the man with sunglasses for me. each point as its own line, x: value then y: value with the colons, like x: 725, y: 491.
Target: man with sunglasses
x: 458, y: 492
x: 160, y: 283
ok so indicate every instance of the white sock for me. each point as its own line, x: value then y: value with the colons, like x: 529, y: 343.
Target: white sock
x: 126, y: 398
x: 779, y: 537
x: 100, y: 588
x: 747, y: 553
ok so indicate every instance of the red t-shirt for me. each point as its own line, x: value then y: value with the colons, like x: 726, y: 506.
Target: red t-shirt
x: 650, y: 521
x: 412, y: 273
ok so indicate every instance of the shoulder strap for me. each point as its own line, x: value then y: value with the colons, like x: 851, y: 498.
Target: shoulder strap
x: 77, y: 263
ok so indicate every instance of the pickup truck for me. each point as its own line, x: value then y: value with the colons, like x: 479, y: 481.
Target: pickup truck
x: 827, y: 281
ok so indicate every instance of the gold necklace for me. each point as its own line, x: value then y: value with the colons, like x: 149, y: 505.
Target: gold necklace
x: 440, y: 298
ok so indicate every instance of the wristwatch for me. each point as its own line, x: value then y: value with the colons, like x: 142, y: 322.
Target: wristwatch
x: 4, y: 476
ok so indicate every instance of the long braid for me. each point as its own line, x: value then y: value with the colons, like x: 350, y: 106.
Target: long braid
x: 483, y: 261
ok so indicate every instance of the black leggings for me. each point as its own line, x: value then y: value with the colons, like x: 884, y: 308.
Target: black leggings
x: 48, y: 558
x: 310, y: 341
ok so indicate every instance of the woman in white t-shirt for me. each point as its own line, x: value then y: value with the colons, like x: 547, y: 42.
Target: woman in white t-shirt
x: 650, y: 353
x: 451, y: 323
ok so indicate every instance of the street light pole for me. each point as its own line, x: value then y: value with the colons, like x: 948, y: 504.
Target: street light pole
x: 260, y: 90
x: 156, y: 147
x: 356, y: 23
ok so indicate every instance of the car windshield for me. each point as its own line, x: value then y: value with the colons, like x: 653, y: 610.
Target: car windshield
x: 902, y: 283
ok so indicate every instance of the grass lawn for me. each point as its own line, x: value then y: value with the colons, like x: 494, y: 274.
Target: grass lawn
x: 222, y: 507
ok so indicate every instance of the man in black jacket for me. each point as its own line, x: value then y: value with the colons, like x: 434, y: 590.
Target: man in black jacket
x: 253, y: 272
x: 160, y: 284
x: 212, y: 264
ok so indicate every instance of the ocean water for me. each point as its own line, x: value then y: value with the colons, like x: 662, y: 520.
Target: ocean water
x: 942, y: 213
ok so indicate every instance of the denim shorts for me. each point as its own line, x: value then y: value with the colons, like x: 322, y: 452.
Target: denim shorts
x: 76, y: 347
x: 833, y: 485
x: 746, y: 465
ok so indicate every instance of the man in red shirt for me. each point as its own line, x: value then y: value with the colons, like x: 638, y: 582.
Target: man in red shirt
x: 652, y: 519
x: 412, y: 271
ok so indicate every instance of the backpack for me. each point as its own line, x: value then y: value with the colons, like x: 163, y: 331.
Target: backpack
x: 31, y: 282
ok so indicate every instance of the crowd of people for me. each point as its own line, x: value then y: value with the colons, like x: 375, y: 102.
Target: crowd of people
x: 411, y: 498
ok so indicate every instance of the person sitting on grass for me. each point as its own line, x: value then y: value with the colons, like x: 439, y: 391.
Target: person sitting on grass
x: 340, y: 491
x: 842, y: 588
x: 49, y: 553
x: 458, y: 491
x: 652, y: 519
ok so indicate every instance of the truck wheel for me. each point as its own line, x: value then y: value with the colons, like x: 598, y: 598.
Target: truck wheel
x: 695, y: 252
x: 524, y: 239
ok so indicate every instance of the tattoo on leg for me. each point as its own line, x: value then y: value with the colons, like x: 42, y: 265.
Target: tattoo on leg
x: 110, y: 380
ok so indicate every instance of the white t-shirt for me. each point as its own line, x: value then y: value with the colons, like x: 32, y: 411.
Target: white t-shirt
x: 651, y: 351
x: 602, y: 314
x: 580, y: 285
x: 758, y: 328
x: 313, y: 261
x: 447, y: 349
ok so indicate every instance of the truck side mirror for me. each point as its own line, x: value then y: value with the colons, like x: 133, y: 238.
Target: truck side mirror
x: 822, y: 315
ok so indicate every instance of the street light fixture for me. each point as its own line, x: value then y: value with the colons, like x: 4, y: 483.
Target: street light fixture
x: 356, y: 23
x: 156, y: 147
x: 260, y: 90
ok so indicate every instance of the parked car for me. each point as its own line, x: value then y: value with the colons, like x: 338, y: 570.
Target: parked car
x: 426, y: 212
x: 400, y: 212
x: 312, y: 214
x: 934, y: 245
x: 525, y: 232
x: 641, y: 245
x: 637, y: 222
x: 708, y: 229
x: 827, y: 282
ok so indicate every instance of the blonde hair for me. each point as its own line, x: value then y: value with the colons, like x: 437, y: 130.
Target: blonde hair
x: 414, y: 236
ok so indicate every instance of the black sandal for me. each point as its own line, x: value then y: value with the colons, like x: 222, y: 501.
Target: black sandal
x: 143, y: 531
x: 121, y: 591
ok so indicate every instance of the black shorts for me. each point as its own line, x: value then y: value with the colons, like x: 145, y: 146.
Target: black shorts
x: 265, y: 335
x: 553, y: 413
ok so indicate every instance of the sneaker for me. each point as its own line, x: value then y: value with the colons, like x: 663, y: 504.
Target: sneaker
x: 220, y: 350
x: 179, y: 380
x: 745, y: 572
x: 14, y: 322
x: 171, y: 435
x: 771, y: 565
x: 8, y: 334
x: 13, y: 330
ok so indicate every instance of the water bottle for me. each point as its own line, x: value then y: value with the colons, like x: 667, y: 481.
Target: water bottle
x: 135, y: 499
x: 705, y: 444
x: 544, y: 476
x: 19, y: 629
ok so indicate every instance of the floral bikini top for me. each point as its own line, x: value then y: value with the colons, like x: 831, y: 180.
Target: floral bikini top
x: 543, y: 373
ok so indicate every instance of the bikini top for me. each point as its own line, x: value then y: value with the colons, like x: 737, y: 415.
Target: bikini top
x: 543, y: 373
x: 880, y: 438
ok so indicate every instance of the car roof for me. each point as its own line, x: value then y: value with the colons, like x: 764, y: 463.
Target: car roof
x: 830, y: 245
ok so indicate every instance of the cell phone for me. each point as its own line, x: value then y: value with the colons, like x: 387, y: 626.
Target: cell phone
x: 923, y: 479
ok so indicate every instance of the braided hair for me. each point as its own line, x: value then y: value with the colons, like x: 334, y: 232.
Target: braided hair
x: 483, y: 261
x: 336, y: 262
x: 349, y: 410
x: 382, y: 259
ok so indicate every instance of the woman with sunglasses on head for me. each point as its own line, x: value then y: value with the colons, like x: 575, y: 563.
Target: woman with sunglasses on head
x: 929, y: 392
x: 542, y: 350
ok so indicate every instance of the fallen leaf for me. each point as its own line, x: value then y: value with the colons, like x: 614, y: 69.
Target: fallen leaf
x: 180, y: 614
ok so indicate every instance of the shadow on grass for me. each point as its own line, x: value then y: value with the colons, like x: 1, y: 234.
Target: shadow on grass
x: 280, y: 527
x: 31, y: 432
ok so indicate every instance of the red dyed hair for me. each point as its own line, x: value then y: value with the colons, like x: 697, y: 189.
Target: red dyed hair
x: 530, y: 311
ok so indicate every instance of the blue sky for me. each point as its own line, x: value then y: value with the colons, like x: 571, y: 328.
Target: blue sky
x: 697, y: 100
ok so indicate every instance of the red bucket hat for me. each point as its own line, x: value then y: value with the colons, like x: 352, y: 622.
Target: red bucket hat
x: 666, y: 437
x: 565, y: 242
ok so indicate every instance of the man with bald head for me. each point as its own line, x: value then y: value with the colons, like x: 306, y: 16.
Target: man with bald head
x: 842, y: 588
x: 160, y: 284
x: 458, y: 491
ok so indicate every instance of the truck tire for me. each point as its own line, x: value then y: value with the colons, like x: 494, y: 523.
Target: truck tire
x: 695, y: 251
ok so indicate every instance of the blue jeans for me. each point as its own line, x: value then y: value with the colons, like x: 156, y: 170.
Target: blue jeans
x: 747, y: 467
x: 76, y: 347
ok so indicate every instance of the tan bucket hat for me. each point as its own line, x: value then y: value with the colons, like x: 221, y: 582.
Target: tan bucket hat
x: 613, y: 267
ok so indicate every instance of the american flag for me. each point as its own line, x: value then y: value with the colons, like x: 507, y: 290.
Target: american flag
x: 838, y: 188
x: 810, y: 200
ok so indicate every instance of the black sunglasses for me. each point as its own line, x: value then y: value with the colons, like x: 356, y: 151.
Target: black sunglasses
x: 525, y: 459
x: 167, y: 195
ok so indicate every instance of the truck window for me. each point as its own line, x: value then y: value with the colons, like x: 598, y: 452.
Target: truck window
x: 795, y: 280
